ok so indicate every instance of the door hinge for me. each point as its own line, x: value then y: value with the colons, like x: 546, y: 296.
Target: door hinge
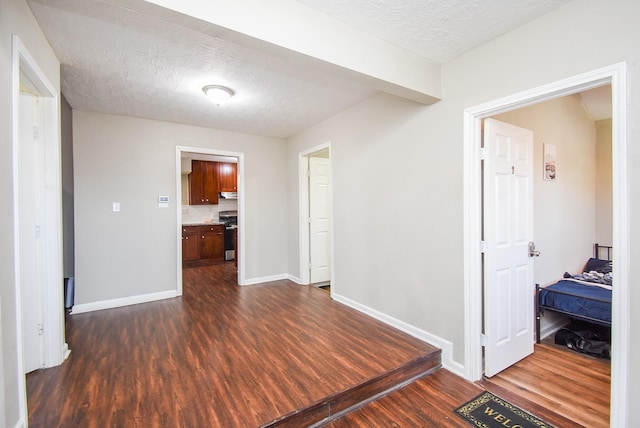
x: 308, y: 173
x: 309, y: 220
x: 483, y: 340
x: 36, y: 132
x: 309, y: 265
x: 483, y: 246
x: 40, y: 329
x: 483, y: 153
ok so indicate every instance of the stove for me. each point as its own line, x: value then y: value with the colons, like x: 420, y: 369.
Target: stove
x: 230, y: 220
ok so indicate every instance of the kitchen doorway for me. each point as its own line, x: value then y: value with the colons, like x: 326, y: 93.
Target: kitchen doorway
x: 183, y: 152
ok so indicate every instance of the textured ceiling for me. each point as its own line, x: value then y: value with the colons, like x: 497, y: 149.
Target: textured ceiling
x: 119, y: 60
x: 436, y: 29
x: 115, y: 60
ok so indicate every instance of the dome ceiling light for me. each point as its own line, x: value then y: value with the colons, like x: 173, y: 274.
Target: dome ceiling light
x: 218, y: 94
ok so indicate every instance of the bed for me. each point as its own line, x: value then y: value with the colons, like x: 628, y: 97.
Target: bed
x: 585, y: 296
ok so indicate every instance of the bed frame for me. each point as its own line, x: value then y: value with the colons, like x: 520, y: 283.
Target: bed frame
x: 598, y: 252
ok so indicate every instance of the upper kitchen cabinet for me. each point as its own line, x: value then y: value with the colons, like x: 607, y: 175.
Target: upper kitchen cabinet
x: 227, y: 177
x: 203, y: 183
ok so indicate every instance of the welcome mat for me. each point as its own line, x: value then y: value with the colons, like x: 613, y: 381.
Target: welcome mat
x: 489, y: 411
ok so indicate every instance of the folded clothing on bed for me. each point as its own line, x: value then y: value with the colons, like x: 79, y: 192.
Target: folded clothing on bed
x: 595, y: 272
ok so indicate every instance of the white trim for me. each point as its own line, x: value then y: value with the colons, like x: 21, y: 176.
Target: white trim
x: 616, y: 75
x: 552, y: 327
x: 303, y: 215
x: 446, y: 346
x: 620, y: 294
x: 123, y: 301
x: 295, y: 279
x: 303, y: 210
x: 264, y: 279
x: 55, y: 348
x: 241, y: 212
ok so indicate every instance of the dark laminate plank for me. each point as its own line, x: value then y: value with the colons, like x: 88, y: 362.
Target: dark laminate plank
x: 221, y: 355
x: 428, y: 402
x: 431, y: 402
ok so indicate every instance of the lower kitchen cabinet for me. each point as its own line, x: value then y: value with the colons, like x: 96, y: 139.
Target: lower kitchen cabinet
x: 212, y: 242
x: 190, y: 242
x: 202, y: 244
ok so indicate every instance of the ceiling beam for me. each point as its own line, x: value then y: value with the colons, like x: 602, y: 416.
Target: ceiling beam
x: 292, y: 30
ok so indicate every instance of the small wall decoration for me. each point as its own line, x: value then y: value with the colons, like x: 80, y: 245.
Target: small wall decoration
x: 549, y: 156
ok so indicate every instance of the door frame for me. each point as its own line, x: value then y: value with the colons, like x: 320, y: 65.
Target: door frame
x: 240, y: 256
x: 303, y: 211
x: 616, y: 75
x: 55, y: 348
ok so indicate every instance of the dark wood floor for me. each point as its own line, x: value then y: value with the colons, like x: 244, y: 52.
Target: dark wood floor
x: 231, y: 356
x: 562, y: 387
x: 221, y: 355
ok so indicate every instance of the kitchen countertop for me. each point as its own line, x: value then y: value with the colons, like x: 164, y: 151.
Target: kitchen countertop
x: 210, y: 223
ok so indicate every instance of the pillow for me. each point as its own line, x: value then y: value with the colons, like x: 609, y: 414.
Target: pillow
x: 598, y: 265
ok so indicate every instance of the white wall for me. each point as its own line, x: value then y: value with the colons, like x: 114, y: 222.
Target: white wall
x: 15, y: 18
x: 565, y: 209
x: 604, y: 183
x: 407, y: 262
x: 133, y: 161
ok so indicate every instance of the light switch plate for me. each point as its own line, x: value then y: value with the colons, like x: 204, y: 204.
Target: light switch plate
x: 116, y: 207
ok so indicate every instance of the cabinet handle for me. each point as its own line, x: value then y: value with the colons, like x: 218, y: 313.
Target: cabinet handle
x: 202, y: 236
x: 185, y: 237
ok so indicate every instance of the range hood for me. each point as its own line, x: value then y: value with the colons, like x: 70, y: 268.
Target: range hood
x: 229, y: 195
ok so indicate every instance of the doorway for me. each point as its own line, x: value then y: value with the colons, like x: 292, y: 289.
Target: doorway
x: 616, y: 76
x: 183, y: 152
x: 37, y: 219
x: 315, y: 216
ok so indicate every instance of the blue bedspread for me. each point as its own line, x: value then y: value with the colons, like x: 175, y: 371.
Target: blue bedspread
x: 583, y: 305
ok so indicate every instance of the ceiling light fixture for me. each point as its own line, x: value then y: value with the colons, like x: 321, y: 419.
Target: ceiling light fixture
x: 218, y: 94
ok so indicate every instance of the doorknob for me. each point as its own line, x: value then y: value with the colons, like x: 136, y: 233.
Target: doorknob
x: 532, y: 250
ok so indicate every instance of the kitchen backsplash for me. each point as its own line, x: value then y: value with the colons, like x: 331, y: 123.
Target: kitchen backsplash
x: 207, y: 213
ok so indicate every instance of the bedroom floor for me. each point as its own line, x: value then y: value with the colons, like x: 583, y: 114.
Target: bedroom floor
x: 574, y: 385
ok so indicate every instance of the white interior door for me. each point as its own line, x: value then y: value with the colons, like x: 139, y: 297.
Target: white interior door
x: 508, y: 229
x: 319, y: 225
x: 31, y: 206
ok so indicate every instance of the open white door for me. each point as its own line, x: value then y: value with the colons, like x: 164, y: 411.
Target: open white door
x: 31, y: 200
x: 319, y: 215
x: 508, y: 229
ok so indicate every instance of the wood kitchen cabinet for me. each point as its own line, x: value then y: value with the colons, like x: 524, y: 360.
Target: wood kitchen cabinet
x: 190, y: 242
x: 212, y: 242
x: 202, y: 244
x: 227, y: 177
x: 203, y: 183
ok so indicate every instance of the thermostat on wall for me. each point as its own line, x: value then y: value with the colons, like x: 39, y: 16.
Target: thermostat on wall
x: 163, y: 201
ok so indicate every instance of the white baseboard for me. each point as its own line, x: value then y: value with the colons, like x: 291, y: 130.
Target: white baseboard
x: 550, y: 328
x: 255, y: 281
x: 446, y: 346
x: 124, y: 301
x: 295, y: 279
